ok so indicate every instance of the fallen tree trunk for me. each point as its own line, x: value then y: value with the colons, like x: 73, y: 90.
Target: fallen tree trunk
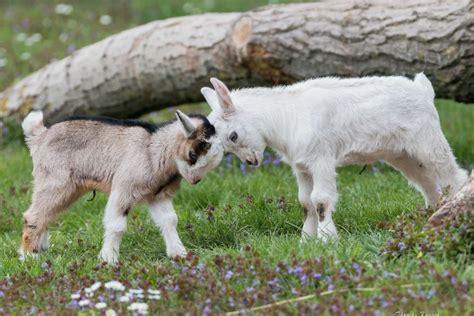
x: 165, y: 63
x: 461, y: 202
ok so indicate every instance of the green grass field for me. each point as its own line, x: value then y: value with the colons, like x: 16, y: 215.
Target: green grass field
x: 228, y: 212
x: 242, y: 228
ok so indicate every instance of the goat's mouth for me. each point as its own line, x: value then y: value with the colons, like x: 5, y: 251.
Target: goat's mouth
x: 252, y: 159
x: 193, y: 179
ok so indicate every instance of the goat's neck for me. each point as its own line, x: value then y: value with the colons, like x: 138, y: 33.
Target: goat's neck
x: 164, y: 148
x: 274, y: 120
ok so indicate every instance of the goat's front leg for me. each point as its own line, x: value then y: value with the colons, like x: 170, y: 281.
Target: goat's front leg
x: 324, y: 196
x: 305, y: 186
x: 115, y: 225
x: 164, y: 216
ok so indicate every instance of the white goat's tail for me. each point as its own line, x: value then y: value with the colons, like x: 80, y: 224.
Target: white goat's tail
x: 425, y: 84
x: 33, y: 124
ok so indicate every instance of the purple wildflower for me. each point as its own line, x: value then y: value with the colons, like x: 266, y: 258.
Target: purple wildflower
x: 273, y: 282
x: 453, y: 280
x: 207, y: 310
x: 276, y: 162
x: 303, y: 279
x: 401, y: 246
x: 387, y: 274
x: 351, y: 308
x: 2, y: 294
x: 71, y: 48
x: 296, y: 270
x: 316, y: 275
x: 330, y: 287
x: 243, y: 168
x: 342, y: 270
x: 45, y: 265
x: 430, y: 294
x: 250, y: 289
x: 228, y: 275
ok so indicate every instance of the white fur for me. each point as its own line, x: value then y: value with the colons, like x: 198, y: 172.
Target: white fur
x: 32, y: 123
x: 320, y: 124
x: 164, y: 216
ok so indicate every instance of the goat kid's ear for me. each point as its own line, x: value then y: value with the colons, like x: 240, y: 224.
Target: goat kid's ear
x: 211, y: 98
x: 223, y: 96
x: 186, y: 123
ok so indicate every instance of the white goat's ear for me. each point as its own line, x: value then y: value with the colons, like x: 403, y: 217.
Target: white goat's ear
x: 186, y: 123
x: 211, y: 98
x: 223, y: 96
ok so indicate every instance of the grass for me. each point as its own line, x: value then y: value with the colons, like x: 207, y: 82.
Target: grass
x: 243, y: 229
x: 233, y: 221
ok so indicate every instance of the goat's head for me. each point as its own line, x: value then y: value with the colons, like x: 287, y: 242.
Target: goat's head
x: 236, y: 133
x: 201, y: 149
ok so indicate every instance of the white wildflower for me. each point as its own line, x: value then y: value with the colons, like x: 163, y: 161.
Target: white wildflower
x: 105, y: 19
x: 100, y: 305
x: 64, y: 9
x: 136, y: 291
x: 110, y: 312
x: 3, y: 62
x: 154, y: 292
x: 75, y: 296
x: 94, y: 287
x: 63, y: 37
x: 114, y: 285
x: 33, y: 39
x: 139, y: 307
x: 154, y: 297
x: 124, y: 299
x: 84, y: 302
x: 25, y: 56
x: 21, y: 37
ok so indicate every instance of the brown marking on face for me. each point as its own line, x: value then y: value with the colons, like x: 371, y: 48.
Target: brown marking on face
x: 321, y: 208
x: 197, y: 143
x: 26, y: 241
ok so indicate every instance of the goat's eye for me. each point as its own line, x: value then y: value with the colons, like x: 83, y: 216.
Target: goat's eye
x: 193, y: 157
x: 233, y: 136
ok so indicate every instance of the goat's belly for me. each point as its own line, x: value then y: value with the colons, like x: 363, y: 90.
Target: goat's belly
x: 95, y: 185
x: 360, y: 158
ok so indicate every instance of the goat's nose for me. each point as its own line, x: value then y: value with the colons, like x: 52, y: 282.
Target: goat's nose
x: 250, y: 162
x: 197, y: 181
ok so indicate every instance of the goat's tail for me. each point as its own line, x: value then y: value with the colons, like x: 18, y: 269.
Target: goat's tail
x: 33, y: 124
x: 425, y: 84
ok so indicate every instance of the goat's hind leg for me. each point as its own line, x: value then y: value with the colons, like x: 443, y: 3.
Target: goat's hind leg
x: 419, y: 173
x: 48, y: 201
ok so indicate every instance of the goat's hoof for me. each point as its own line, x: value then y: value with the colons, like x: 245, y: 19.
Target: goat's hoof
x: 110, y: 258
x: 23, y: 254
x: 178, y: 251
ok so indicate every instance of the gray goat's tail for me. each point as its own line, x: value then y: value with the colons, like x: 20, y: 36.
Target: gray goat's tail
x: 33, y: 124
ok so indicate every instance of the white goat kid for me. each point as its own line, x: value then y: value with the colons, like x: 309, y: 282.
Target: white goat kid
x: 320, y: 124
x: 133, y: 161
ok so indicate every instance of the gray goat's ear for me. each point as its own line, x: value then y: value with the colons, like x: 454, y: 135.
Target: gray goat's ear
x: 186, y: 123
x: 223, y: 96
x: 211, y: 98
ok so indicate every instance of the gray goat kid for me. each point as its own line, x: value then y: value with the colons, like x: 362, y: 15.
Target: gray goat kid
x: 132, y: 161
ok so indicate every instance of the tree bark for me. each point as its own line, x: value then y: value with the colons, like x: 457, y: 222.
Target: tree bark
x: 165, y: 63
x: 461, y: 202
